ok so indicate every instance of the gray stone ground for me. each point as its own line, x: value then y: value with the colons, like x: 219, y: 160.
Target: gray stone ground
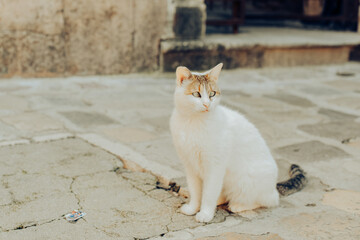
x: 102, y: 145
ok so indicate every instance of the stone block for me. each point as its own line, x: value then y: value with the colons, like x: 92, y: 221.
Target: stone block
x: 313, y: 151
x: 337, y: 130
x: 129, y: 135
x: 319, y: 91
x: 355, y: 52
x: 67, y: 157
x: 98, y: 36
x: 113, y: 36
x: 52, y: 137
x: 322, y: 225
x: 188, y: 23
x: 129, y: 156
x: 122, y: 210
x: 85, y: 119
x: 32, y: 122
x: 149, y: 23
x: 8, y: 53
x: 345, y: 200
x: 40, y: 54
x: 349, y: 102
x: 31, y: 40
x: 287, y: 57
x: 206, y: 57
x: 8, y: 133
x: 346, y: 84
x: 20, y: 215
x: 27, y: 187
x: 82, y: 230
x: 37, y: 16
x: 291, y: 99
x: 243, y: 236
x: 10, y: 103
x: 5, y: 196
x: 336, y: 115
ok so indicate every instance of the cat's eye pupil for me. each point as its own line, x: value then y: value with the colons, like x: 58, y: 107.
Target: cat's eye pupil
x: 212, y: 94
x: 196, y: 94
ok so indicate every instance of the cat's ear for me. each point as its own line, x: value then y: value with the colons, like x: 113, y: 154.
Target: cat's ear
x: 182, y: 73
x: 215, y: 72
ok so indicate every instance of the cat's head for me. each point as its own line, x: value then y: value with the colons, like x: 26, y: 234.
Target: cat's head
x: 197, y: 92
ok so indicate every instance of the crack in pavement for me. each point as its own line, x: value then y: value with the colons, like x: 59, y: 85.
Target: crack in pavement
x: 75, y: 195
x: 22, y: 226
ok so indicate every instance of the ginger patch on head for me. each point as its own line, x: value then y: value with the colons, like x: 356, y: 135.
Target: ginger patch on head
x: 198, y: 82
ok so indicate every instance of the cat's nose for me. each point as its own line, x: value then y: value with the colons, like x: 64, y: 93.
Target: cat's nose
x: 206, y: 105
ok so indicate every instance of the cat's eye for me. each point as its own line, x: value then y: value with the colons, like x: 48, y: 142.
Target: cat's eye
x: 212, y: 94
x: 196, y: 94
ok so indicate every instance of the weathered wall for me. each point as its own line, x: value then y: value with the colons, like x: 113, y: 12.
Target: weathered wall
x: 82, y: 37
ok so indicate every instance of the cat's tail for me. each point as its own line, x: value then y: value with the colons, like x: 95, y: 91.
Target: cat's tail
x: 296, y: 182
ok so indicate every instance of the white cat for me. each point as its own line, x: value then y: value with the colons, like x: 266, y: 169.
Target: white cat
x: 225, y: 157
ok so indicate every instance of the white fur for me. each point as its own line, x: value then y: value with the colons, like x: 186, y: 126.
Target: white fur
x: 225, y: 157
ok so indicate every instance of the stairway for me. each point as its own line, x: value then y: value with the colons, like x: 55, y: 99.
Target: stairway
x: 255, y: 47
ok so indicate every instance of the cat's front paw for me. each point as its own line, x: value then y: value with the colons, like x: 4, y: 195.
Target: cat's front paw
x: 203, y: 216
x: 188, y: 209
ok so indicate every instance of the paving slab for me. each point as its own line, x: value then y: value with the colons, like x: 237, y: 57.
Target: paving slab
x: 339, y: 130
x: 120, y: 204
x: 65, y: 144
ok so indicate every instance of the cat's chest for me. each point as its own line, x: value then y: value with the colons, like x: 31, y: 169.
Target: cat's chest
x: 193, y: 140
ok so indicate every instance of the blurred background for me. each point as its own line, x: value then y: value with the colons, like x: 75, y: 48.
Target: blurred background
x: 40, y: 38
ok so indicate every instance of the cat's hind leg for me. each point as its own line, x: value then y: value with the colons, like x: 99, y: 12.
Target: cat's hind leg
x: 269, y: 200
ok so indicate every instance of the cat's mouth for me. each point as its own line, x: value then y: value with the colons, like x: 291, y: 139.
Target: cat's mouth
x: 207, y: 110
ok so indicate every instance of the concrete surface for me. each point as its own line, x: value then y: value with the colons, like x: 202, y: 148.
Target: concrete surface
x: 102, y: 145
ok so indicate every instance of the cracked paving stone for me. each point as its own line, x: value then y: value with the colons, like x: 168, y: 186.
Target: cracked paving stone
x: 36, y: 211
x: 5, y: 198
x: 61, y: 101
x: 86, y: 119
x: 33, y: 122
x: 323, y: 225
x: 312, y: 151
x: 129, y: 135
x: 254, y: 102
x: 336, y: 115
x: 291, y: 99
x: 322, y: 91
x: 29, y: 187
x: 58, y: 229
x: 345, y: 84
x: 52, y: 178
x: 336, y: 130
x: 243, y: 236
x: 349, y: 102
x: 13, y: 103
x: 345, y: 200
x: 122, y: 207
x: 66, y: 157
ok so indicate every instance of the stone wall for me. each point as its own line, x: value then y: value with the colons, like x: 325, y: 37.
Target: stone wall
x: 80, y: 37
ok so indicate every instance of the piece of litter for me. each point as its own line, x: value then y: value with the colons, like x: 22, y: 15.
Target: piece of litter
x: 74, y: 215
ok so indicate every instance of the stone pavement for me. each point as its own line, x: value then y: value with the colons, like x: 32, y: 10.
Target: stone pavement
x: 102, y: 145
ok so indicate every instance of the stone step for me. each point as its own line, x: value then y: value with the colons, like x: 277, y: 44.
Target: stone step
x: 256, y: 47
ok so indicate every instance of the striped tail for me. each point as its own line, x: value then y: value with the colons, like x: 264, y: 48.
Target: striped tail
x: 296, y: 182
